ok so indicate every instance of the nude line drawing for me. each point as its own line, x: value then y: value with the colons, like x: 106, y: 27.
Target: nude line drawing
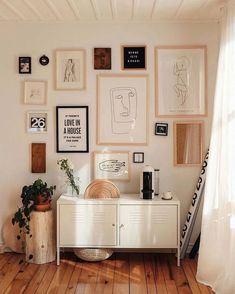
x: 123, y: 109
x: 70, y: 70
x: 111, y: 165
x: 181, y: 70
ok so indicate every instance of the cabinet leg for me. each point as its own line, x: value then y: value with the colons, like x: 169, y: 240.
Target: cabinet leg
x: 178, y: 256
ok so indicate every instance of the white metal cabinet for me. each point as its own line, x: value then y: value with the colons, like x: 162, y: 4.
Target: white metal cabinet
x: 87, y: 225
x: 148, y: 226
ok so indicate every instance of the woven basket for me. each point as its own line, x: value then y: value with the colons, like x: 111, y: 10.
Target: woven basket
x: 91, y: 254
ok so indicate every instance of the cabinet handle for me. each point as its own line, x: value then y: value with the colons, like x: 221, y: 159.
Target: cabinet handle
x: 121, y: 226
x: 113, y: 225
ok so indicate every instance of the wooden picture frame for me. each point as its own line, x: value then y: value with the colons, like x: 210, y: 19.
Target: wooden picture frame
x: 35, y: 92
x: 72, y: 129
x: 112, y: 165
x: 38, y: 157
x: 122, y: 109
x: 70, y: 69
x: 181, y: 81
x: 188, y: 143
x: 133, y: 57
x: 37, y: 122
x: 25, y: 65
x: 102, y: 58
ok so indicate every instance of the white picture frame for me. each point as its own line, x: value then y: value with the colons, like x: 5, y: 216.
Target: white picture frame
x: 37, y: 122
x: 70, y: 69
x: 112, y: 165
x: 181, y: 81
x: 122, y: 109
x: 35, y: 92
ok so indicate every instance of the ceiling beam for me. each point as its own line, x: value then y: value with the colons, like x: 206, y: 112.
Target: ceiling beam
x: 74, y: 9
x: 95, y: 9
x: 176, y: 14
x: 33, y: 9
x: 113, y: 5
x: 53, y: 9
x: 13, y: 9
x: 155, y: 4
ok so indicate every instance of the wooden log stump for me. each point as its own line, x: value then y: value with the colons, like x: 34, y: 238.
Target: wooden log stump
x: 41, y: 246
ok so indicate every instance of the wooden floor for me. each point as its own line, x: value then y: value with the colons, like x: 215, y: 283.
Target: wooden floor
x: 123, y: 273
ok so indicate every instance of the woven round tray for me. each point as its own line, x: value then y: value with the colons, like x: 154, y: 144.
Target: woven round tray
x: 101, y: 189
x: 91, y: 254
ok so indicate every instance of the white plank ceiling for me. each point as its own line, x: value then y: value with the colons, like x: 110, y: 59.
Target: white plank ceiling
x: 110, y: 10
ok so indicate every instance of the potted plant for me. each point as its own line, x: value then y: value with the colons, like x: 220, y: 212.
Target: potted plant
x: 34, y: 197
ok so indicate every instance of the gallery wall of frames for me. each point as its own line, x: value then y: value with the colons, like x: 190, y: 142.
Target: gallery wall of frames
x: 127, y: 95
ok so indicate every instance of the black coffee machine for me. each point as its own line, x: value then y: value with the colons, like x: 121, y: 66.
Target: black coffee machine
x: 147, y: 183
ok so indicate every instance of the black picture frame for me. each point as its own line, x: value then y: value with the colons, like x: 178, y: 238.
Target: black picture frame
x: 24, y: 65
x: 134, y: 57
x: 138, y: 157
x: 161, y: 129
x: 102, y: 58
x: 72, y: 129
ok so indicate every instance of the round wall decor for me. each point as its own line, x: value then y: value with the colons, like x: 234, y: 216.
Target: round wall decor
x: 44, y: 60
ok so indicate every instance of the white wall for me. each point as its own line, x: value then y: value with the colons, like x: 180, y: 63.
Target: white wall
x: 36, y: 39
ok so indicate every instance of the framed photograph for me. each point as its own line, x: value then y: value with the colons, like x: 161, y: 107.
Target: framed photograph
x: 181, y: 84
x: 25, y: 65
x: 133, y: 57
x: 35, y: 92
x: 161, y: 129
x: 102, y: 58
x: 122, y: 109
x: 112, y: 165
x: 72, y: 132
x: 138, y: 157
x: 37, y: 122
x: 70, y: 69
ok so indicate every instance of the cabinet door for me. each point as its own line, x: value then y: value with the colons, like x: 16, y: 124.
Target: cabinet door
x: 148, y: 226
x: 87, y: 225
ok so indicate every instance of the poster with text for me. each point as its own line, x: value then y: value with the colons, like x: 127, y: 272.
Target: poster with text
x: 72, y: 129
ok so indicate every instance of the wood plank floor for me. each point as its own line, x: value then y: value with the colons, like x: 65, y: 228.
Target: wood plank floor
x: 123, y: 273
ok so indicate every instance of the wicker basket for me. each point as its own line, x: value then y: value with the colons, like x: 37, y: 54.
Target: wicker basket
x: 91, y: 254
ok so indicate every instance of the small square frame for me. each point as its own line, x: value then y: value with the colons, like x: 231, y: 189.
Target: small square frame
x: 161, y: 129
x: 138, y: 157
x: 37, y: 122
x: 24, y: 65
x: 102, y: 58
x: 35, y: 92
x: 133, y: 57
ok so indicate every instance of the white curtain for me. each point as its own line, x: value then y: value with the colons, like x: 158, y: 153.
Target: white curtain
x: 216, y: 264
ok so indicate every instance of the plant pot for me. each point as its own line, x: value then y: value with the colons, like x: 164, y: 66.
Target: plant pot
x: 42, y: 204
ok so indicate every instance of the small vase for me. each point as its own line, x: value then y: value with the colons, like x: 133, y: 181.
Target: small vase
x: 70, y: 191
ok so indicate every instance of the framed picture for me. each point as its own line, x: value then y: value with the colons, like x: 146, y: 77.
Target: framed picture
x: 37, y: 122
x: 161, y: 129
x: 181, y: 84
x: 102, y: 58
x: 138, y: 157
x: 70, y: 69
x: 112, y: 165
x: 25, y: 65
x: 133, y: 57
x: 72, y: 132
x: 35, y: 92
x: 122, y: 108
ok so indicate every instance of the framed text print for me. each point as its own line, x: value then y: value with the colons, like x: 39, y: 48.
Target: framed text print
x: 72, y: 133
x: 122, y: 107
x: 113, y: 165
x: 70, y: 69
x: 181, y: 85
x: 133, y: 57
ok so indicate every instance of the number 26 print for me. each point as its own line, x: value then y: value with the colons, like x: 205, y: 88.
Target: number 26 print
x: 37, y: 121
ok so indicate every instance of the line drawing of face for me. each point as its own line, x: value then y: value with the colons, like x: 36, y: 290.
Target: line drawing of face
x: 123, y: 109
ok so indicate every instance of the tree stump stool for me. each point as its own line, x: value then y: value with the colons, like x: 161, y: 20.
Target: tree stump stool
x: 40, y: 248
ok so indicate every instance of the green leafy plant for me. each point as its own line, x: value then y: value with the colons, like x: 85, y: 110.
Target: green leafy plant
x: 67, y: 167
x: 29, y: 198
